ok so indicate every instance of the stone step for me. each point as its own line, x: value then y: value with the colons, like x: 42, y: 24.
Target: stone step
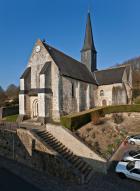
x: 64, y: 152
x: 75, y: 161
x: 57, y: 145
x: 62, y: 149
x: 50, y: 140
x: 68, y: 155
x: 46, y: 135
x: 88, y: 176
x: 81, y: 165
x: 88, y: 171
x: 46, y: 138
x: 84, y: 168
x: 41, y: 132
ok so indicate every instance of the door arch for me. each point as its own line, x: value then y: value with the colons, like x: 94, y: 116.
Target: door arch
x: 104, y: 102
x: 35, y: 109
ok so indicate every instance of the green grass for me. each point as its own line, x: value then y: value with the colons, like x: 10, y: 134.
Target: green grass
x: 11, y: 118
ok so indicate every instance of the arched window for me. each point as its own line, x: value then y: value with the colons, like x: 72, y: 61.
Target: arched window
x: 102, y: 93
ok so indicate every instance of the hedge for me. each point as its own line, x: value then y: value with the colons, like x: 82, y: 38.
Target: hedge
x: 76, y: 120
x: 121, y: 109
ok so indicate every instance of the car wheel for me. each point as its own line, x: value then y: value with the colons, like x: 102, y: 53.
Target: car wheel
x: 121, y: 175
x: 132, y: 142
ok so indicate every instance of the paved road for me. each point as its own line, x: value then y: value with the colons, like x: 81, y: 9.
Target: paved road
x: 99, y: 182
x: 11, y: 182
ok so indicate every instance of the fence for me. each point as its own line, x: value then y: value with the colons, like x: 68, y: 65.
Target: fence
x: 11, y: 126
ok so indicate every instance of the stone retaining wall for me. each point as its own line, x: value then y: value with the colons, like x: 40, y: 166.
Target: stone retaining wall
x: 25, y: 148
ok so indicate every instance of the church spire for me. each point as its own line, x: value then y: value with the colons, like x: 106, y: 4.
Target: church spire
x: 88, y: 52
x: 88, y: 42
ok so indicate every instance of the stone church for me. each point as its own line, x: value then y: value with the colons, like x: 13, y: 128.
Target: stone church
x: 55, y: 84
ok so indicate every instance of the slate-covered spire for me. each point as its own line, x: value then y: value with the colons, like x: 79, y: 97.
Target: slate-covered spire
x: 88, y: 42
x: 88, y: 52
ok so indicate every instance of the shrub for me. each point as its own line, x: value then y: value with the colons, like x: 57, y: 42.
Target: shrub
x: 95, y: 118
x: 137, y: 100
x: 76, y: 120
x: 117, y: 142
x: 117, y: 118
x: 97, y: 147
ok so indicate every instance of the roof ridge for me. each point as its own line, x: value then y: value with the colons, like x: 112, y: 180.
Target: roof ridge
x: 109, y: 69
x: 63, y: 53
x: 69, y: 66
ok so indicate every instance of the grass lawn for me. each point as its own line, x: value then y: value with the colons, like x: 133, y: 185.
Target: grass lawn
x: 11, y: 118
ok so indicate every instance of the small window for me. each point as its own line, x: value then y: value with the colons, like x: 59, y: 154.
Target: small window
x: 73, y: 90
x: 102, y: 93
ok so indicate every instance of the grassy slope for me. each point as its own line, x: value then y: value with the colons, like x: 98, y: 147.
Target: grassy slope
x: 11, y: 118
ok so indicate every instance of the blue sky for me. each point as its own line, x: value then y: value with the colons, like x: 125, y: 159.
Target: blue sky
x: 116, y: 28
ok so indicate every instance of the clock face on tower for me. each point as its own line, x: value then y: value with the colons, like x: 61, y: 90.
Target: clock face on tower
x: 38, y: 48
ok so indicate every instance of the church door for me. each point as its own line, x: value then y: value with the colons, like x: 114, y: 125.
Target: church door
x: 35, y: 108
x: 104, y: 103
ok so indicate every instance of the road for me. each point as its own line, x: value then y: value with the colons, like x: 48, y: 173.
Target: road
x: 11, y: 182
x: 99, y: 182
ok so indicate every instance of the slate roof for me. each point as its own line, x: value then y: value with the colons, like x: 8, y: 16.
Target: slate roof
x: 70, y: 67
x: 88, y: 41
x: 26, y: 72
x: 109, y: 76
x: 44, y: 69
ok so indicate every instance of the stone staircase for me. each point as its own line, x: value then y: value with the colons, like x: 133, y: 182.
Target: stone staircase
x: 31, y: 124
x: 84, y: 169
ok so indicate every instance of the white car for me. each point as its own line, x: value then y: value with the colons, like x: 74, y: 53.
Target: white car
x: 129, y: 170
x: 132, y: 156
x: 134, y: 139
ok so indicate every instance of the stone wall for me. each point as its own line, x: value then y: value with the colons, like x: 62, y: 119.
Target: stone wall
x: 109, y: 97
x: 36, y: 62
x: 69, y: 101
x: 25, y: 148
x: 76, y: 95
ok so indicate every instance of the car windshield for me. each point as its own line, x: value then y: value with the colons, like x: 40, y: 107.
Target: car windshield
x: 130, y: 165
x: 137, y: 137
x: 133, y: 153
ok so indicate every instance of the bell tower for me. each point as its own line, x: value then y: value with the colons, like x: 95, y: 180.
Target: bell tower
x: 88, y: 52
